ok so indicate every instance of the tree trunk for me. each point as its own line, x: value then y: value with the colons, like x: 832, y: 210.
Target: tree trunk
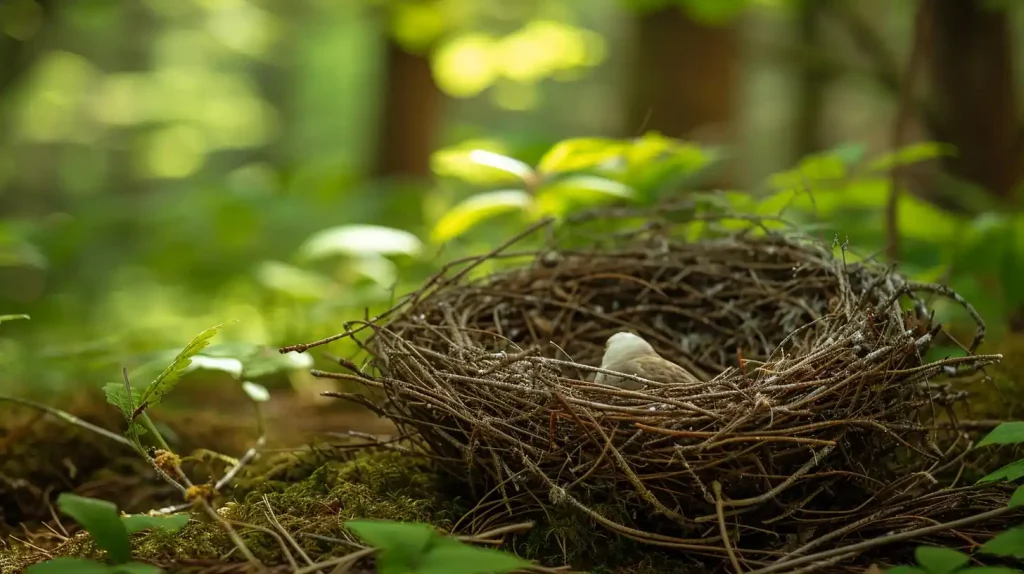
x: 973, y: 81
x: 684, y: 75
x: 409, y: 115
x: 813, y: 78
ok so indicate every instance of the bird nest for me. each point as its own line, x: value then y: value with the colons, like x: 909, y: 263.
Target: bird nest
x: 817, y: 420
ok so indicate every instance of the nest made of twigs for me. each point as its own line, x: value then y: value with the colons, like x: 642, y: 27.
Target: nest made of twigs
x: 819, y: 410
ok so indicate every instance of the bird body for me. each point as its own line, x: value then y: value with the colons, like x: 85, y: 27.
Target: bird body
x: 630, y: 354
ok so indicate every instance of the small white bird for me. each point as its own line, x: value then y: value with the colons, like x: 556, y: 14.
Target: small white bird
x: 630, y: 354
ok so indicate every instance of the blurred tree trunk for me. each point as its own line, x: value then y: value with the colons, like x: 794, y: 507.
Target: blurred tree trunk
x: 811, y: 83
x: 685, y: 77
x: 684, y: 74
x: 409, y: 115
x: 973, y: 89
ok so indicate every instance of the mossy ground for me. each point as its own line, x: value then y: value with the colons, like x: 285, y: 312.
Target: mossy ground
x: 310, y: 492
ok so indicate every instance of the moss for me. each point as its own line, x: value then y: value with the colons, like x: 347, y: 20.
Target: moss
x: 377, y: 485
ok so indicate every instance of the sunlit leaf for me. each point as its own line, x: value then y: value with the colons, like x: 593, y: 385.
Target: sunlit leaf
x: 580, y: 191
x: 138, y: 522
x: 230, y: 366
x: 463, y: 216
x: 359, y: 239
x: 448, y: 556
x: 1010, y: 472
x: 68, y: 565
x: 293, y: 281
x: 102, y: 520
x: 458, y: 162
x: 502, y: 162
x: 937, y: 560
x: 257, y: 393
x: 376, y: 268
x: 402, y: 545
x: 580, y: 154
x: 5, y: 318
x: 1005, y: 433
x: 1008, y: 543
x: 911, y: 154
x: 166, y: 381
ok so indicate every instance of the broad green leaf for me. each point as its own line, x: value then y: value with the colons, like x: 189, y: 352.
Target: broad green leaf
x: 67, y: 565
x: 449, y: 556
x: 165, y: 381
x: 1005, y: 433
x: 137, y: 522
x: 293, y: 281
x: 911, y: 154
x: 359, y: 239
x: 906, y: 570
x: 136, y: 568
x: 580, y: 154
x: 1017, y: 500
x: 472, y: 211
x: 5, y: 318
x: 579, y: 191
x: 402, y: 545
x: 102, y: 520
x: 502, y: 162
x: 460, y: 162
x: 988, y: 570
x: 937, y: 560
x: 1008, y: 543
x: 227, y: 365
x: 117, y: 395
x: 256, y: 392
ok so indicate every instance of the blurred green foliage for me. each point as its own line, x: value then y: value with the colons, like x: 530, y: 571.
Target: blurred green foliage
x: 166, y: 165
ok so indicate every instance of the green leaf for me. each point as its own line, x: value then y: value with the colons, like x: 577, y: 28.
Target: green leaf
x: 911, y: 154
x: 1005, y: 433
x: 293, y: 281
x: 137, y: 522
x: 580, y: 154
x: 937, y: 560
x: 257, y: 393
x: 577, y: 191
x: 463, y: 162
x: 1017, y: 499
x: 988, y: 570
x: 359, y: 239
x: 117, y: 395
x: 5, y: 318
x: 402, y: 545
x: 502, y: 162
x: 165, y: 381
x: 470, y: 212
x: 1008, y: 543
x: 449, y: 556
x: 67, y: 565
x: 102, y: 520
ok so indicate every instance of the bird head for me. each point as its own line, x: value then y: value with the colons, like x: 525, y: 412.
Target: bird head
x: 623, y: 346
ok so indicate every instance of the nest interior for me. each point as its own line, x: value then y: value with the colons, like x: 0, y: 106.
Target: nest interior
x: 818, y: 422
